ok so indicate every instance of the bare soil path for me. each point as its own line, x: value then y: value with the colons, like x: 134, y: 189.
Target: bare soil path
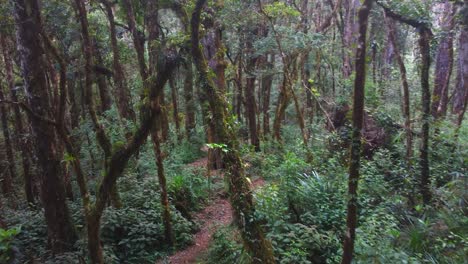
x: 212, y: 217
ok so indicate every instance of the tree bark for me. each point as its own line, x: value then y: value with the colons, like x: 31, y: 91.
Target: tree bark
x: 443, y: 65
x: 104, y: 94
x: 424, y: 46
x: 138, y: 39
x: 349, y: 35
x: 154, y: 51
x: 251, y: 105
x: 168, y: 233
x: 239, y: 191
x: 267, y: 81
x: 405, y: 89
x: 7, y: 185
x: 425, y: 36
x: 175, y: 106
x: 189, y: 100
x: 124, y: 102
x: 355, y: 152
x: 461, y: 88
x: 20, y: 131
x: 60, y: 231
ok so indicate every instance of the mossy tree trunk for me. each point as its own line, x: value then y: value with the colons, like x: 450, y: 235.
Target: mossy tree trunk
x: 239, y: 191
x: 60, y: 231
x: 355, y: 152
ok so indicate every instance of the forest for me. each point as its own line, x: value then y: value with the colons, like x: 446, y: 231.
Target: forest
x: 233, y: 131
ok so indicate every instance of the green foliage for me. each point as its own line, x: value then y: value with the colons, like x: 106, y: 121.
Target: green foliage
x: 226, y: 248
x: 189, y: 190
x: 134, y: 233
x: 222, y: 147
x: 6, y: 238
x: 280, y: 9
x: 184, y: 152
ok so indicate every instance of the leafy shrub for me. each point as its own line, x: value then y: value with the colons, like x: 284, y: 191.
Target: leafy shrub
x: 226, y: 248
x: 134, y: 233
x: 188, y: 191
x: 6, y: 238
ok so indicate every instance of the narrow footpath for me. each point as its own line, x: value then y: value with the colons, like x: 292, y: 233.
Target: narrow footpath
x: 210, y: 219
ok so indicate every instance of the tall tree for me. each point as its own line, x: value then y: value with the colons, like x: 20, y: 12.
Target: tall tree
x: 404, y: 87
x: 250, y: 104
x: 444, y: 63
x: 153, y: 51
x: 425, y: 35
x: 239, y: 192
x: 124, y: 102
x: 20, y: 130
x: 358, y: 114
x: 460, y: 97
x: 60, y: 230
x: 8, y: 176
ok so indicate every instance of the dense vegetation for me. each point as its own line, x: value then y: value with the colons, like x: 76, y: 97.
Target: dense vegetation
x: 334, y: 128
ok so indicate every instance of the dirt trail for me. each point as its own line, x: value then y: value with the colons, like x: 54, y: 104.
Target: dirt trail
x: 215, y: 215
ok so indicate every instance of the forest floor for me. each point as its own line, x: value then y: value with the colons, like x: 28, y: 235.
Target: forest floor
x: 217, y: 214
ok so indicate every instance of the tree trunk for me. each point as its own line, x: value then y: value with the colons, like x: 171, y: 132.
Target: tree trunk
x: 355, y: 153
x: 7, y: 186
x: 461, y: 87
x: 349, y: 35
x: 250, y: 103
x: 267, y: 81
x: 424, y: 46
x: 283, y: 101
x: 122, y: 92
x: 168, y: 233
x: 239, y: 191
x: 405, y: 89
x: 104, y: 94
x: 175, y: 106
x: 444, y: 63
x: 60, y: 231
x: 138, y: 39
x: 189, y: 100
x: 425, y: 35
x: 154, y: 50
x: 94, y: 239
x: 75, y: 108
x: 214, y: 53
x: 22, y: 141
